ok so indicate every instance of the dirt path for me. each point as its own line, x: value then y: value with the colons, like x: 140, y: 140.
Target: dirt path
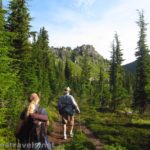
x: 57, y: 137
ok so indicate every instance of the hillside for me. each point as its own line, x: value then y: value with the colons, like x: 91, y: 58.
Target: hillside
x: 131, y: 67
x: 79, y: 51
x: 76, y: 57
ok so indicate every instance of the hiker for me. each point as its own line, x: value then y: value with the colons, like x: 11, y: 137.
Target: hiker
x: 32, y: 130
x: 67, y: 107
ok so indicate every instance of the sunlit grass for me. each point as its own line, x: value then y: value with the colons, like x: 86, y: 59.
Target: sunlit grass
x: 141, y: 121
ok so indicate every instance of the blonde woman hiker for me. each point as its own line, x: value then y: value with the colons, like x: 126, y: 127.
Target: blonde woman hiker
x: 32, y: 130
x: 67, y: 107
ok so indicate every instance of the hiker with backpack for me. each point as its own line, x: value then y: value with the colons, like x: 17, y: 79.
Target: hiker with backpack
x: 32, y: 130
x: 67, y: 107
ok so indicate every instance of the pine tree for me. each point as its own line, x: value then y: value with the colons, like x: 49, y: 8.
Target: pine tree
x: 119, y: 93
x: 113, y: 69
x: 42, y: 64
x: 60, y: 74
x: 86, y: 68
x: 18, y: 23
x: 103, y: 88
x: 10, y: 88
x: 142, y: 87
x: 85, y: 73
x: 52, y: 73
x: 129, y: 82
x: 68, y: 73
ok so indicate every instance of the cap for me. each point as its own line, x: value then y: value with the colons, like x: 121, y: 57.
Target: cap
x: 67, y: 89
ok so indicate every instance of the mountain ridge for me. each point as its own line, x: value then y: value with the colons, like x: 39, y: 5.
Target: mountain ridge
x: 131, y: 67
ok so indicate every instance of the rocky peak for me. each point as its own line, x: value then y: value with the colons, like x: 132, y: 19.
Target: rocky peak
x: 62, y: 52
x: 76, y: 54
x: 90, y: 51
x: 86, y: 49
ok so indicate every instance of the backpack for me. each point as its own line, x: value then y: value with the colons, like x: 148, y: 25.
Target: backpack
x: 66, y: 106
x: 35, y: 134
x: 39, y: 138
x: 38, y: 134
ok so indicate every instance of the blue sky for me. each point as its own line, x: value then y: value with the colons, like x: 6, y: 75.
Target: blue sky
x: 76, y: 22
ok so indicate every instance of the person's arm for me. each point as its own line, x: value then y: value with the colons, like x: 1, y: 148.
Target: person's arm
x: 44, y: 112
x: 40, y: 117
x: 75, y: 104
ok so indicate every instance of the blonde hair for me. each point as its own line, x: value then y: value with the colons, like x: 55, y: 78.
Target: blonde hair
x: 33, y: 100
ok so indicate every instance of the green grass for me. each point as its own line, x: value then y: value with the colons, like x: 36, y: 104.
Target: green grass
x: 60, y: 147
x: 141, y: 121
x: 80, y: 142
x: 119, y: 131
x: 114, y: 147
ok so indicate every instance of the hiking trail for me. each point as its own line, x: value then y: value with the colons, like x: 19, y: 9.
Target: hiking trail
x: 56, y: 135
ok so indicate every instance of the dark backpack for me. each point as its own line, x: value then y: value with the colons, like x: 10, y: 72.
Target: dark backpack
x: 38, y: 134
x: 34, y: 134
x: 66, y: 106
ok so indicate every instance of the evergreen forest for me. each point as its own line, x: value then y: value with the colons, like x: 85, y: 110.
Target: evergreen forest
x: 114, y: 100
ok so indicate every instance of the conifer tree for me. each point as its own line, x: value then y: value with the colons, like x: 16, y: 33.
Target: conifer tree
x: 101, y: 85
x: 119, y: 93
x: 9, y: 85
x: 129, y: 82
x: 142, y: 85
x: 18, y: 23
x: 85, y: 73
x: 103, y: 88
x: 113, y: 68
x: 60, y: 74
x: 52, y: 73
x: 67, y: 71
x: 42, y: 64
x: 86, y: 69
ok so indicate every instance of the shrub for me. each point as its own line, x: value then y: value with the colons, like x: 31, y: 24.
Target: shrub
x: 60, y: 147
x: 80, y: 142
x: 114, y: 147
x: 120, y: 130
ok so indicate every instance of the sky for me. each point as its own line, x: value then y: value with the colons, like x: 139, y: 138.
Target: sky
x: 76, y: 22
